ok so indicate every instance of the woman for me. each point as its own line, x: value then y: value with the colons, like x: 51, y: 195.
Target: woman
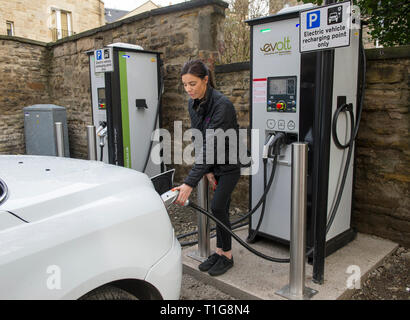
x: 210, y: 109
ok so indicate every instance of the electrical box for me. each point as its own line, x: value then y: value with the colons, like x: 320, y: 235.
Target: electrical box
x: 297, y: 93
x: 39, y: 132
x: 127, y: 100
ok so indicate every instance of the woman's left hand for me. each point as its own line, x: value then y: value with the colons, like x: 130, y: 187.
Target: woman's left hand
x: 184, y: 193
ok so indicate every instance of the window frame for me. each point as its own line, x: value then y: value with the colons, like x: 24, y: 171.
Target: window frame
x: 11, y: 24
x: 59, y: 33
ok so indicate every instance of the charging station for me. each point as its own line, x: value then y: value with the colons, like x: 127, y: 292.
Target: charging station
x: 297, y: 92
x: 125, y: 96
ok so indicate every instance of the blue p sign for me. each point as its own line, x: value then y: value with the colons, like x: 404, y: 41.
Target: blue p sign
x: 99, y: 54
x: 313, y: 19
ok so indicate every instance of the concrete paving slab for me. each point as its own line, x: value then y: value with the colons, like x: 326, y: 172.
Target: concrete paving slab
x: 255, y: 278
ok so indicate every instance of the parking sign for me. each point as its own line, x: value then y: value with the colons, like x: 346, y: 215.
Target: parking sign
x: 325, y: 27
x: 313, y: 19
x: 104, y: 60
x: 98, y: 55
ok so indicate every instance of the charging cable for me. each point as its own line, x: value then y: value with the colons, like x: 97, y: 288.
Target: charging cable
x: 269, y: 150
x: 273, y: 149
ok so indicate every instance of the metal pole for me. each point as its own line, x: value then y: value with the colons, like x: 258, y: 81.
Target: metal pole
x: 204, y: 239
x: 203, y: 221
x: 91, y: 143
x: 296, y: 289
x: 59, y: 134
x: 298, y: 219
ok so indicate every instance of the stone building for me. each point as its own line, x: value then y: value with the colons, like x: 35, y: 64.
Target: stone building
x: 49, y: 20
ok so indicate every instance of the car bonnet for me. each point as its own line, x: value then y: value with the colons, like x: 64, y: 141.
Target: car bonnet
x: 39, y: 186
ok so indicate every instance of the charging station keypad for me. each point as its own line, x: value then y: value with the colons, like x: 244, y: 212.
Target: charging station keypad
x: 281, y: 94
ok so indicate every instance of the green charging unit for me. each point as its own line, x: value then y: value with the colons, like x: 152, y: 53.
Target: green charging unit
x: 127, y: 98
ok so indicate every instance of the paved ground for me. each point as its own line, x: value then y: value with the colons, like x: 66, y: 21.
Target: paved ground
x: 389, y: 281
x: 192, y: 289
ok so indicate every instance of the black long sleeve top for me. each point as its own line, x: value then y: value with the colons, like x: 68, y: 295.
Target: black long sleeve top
x: 215, y: 118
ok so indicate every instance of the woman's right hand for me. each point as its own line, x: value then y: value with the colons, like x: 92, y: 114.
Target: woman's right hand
x: 211, y: 179
x: 184, y: 193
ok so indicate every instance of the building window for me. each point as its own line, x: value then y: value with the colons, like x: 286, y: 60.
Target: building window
x: 62, y: 24
x: 10, y: 28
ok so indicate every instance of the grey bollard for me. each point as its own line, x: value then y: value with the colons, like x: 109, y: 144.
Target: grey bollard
x: 91, y: 143
x: 59, y: 134
x: 296, y: 289
x: 204, y: 240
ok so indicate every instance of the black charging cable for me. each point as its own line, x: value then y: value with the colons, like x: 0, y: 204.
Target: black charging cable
x: 280, y: 138
x: 243, y: 243
x: 252, y: 236
x: 237, y: 223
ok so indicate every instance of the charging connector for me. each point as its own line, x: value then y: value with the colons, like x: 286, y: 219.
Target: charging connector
x: 278, y: 142
x: 170, y: 196
x: 102, y: 133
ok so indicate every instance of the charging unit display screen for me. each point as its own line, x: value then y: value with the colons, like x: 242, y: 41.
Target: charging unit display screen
x: 281, y: 94
x: 101, y: 98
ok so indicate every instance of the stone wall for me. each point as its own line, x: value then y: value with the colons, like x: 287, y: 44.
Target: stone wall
x: 179, y: 32
x: 233, y: 81
x: 382, y: 196
x: 23, y: 82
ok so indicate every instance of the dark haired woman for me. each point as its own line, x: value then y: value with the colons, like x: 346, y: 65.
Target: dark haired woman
x: 210, y: 109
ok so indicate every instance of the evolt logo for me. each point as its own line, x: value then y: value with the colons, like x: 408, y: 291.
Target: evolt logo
x: 282, y: 47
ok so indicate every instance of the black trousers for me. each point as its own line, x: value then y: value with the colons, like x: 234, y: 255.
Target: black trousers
x: 220, y: 207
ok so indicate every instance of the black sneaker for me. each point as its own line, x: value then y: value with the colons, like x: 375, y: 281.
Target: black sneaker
x: 208, y: 263
x: 221, y: 266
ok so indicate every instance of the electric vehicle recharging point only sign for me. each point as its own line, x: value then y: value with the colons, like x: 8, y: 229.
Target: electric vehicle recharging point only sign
x: 325, y: 27
x: 104, y: 61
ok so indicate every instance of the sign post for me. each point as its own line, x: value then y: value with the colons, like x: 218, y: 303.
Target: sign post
x: 325, y: 27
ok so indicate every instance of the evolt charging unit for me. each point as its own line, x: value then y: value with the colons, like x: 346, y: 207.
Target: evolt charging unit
x: 125, y: 94
x: 298, y: 94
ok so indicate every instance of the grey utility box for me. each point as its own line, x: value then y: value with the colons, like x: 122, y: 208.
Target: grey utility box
x: 39, y: 129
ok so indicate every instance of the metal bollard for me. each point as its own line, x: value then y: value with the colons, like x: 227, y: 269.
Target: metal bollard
x: 296, y: 289
x: 204, y: 239
x: 91, y: 143
x: 59, y: 134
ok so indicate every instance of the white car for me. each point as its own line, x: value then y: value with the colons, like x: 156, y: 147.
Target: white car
x: 72, y: 229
